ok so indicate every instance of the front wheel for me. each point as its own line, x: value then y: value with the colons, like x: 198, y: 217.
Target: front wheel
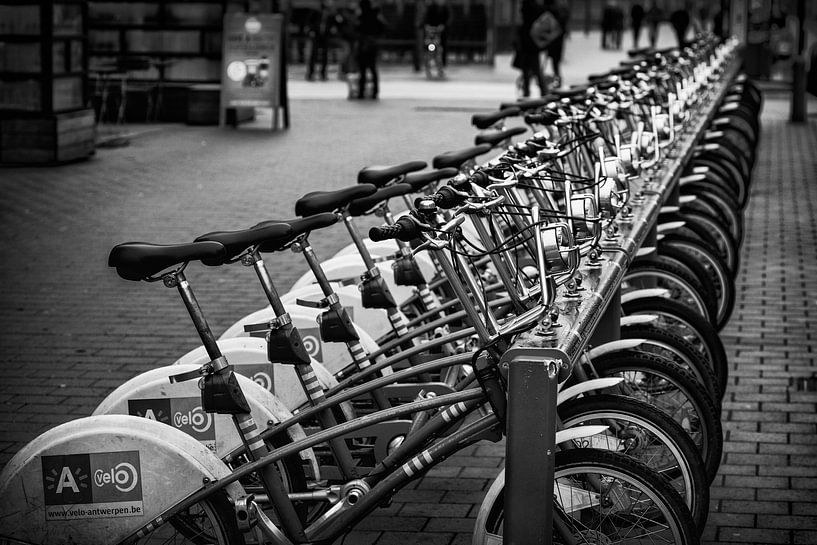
x: 601, y: 497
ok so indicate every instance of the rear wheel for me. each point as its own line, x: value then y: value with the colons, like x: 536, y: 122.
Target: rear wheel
x: 211, y: 521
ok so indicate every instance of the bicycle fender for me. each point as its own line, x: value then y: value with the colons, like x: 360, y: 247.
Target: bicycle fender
x: 151, y: 395
x: 587, y: 386
x: 670, y: 226
x: 637, y: 319
x: 642, y: 294
x: 613, y: 346
x: 96, y: 480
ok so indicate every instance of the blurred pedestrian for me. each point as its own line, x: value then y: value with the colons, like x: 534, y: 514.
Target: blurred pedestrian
x: 637, y: 17
x: 680, y: 19
x: 323, y: 28
x: 617, y: 24
x: 555, y: 49
x: 347, y: 35
x: 654, y: 16
x: 370, y: 26
x: 527, y: 56
x: 606, y: 24
x: 438, y: 15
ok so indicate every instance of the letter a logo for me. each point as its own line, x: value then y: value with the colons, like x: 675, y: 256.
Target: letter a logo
x: 67, y: 480
x: 149, y: 414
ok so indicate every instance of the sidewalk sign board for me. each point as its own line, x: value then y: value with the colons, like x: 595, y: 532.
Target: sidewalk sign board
x: 252, y: 73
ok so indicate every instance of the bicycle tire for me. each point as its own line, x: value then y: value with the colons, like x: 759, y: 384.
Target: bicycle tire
x: 715, y: 176
x: 718, y: 202
x: 684, y: 287
x: 739, y: 124
x: 729, y: 152
x: 717, y: 273
x: 611, y: 466
x: 670, y: 345
x: 709, y: 269
x: 649, y: 436
x: 190, y: 528
x: 717, y: 232
x: 696, y: 269
x: 739, y: 143
x: 662, y: 382
x: 680, y: 320
x: 729, y: 172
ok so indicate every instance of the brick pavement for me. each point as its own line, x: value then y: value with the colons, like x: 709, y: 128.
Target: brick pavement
x: 73, y: 331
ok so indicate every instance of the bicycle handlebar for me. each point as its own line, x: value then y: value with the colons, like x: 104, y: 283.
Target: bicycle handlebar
x: 405, y: 229
x: 446, y: 198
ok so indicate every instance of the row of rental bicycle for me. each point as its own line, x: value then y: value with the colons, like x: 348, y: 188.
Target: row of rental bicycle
x: 386, y: 358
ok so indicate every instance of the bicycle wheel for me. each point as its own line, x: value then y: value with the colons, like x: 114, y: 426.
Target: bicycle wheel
x: 717, y: 202
x: 697, y: 270
x: 211, y: 521
x: 676, y: 348
x: 683, y: 286
x: 672, y: 389
x: 681, y: 320
x: 712, y: 266
x: 601, y: 497
x: 648, y: 435
x: 725, y: 244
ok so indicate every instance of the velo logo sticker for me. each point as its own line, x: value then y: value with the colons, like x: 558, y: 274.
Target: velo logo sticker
x: 95, y: 485
x: 312, y: 342
x: 184, y: 413
x: 260, y: 373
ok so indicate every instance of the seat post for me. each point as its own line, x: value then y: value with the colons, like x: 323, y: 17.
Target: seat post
x: 179, y: 281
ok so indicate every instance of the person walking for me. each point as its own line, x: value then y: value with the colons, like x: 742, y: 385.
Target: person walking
x: 438, y: 15
x: 370, y: 26
x: 322, y: 29
x: 637, y: 17
x: 527, y: 57
x: 606, y: 24
x: 555, y: 49
x: 653, y: 16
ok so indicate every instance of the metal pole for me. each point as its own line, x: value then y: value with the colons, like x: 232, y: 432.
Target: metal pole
x: 798, y: 86
x: 531, y: 444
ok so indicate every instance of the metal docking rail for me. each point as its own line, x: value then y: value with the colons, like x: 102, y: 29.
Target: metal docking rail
x: 536, y: 362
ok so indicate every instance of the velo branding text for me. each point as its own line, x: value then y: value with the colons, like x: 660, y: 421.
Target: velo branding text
x: 95, y: 485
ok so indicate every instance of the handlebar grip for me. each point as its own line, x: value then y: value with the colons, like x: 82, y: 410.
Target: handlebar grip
x: 481, y: 179
x: 542, y: 118
x: 405, y: 229
x: 384, y: 232
x: 446, y: 198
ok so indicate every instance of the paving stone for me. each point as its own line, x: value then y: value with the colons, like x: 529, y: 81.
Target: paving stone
x: 752, y: 535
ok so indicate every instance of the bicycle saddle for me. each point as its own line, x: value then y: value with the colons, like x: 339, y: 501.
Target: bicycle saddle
x: 418, y: 180
x: 495, y: 137
x: 484, y: 121
x: 236, y: 242
x: 329, y: 201
x: 298, y: 227
x: 573, y: 92
x: 455, y: 159
x: 381, y: 175
x: 529, y: 103
x: 141, y: 260
x: 358, y: 207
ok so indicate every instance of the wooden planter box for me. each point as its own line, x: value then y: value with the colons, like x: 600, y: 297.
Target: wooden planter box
x: 57, y: 138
